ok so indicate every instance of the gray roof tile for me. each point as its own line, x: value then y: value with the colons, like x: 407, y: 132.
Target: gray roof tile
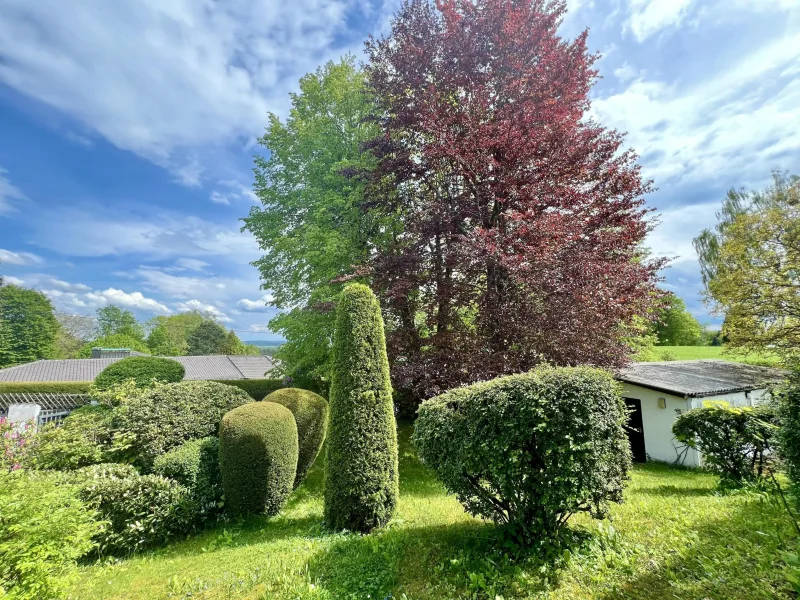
x: 699, y: 378
x: 86, y: 369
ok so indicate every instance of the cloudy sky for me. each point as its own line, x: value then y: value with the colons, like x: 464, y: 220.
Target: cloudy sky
x: 127, y: 130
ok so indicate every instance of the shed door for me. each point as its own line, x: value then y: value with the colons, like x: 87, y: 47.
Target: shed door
x: 635, y: 429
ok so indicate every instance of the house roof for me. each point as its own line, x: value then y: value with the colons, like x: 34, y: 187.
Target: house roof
x: 699, y: 378
x: 86, y: 369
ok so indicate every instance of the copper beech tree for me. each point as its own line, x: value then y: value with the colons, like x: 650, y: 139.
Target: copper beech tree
x: 522, y: 217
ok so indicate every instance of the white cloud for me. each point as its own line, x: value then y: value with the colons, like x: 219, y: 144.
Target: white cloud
x: 19, y: 258
x: 220, y: 198
x: 128, y: 300
x: 191, y: 264
x: 732, y: 126
x: 163, y: 77
x: 679, y: 226
x: 205, y: 308
x: 259, y: 305
x: 647, y: 17
x: 13, y: 280
x: 9, y: 194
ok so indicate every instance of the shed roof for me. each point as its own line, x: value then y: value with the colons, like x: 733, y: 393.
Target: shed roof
x: 86, y: 369
x: 700, y: 378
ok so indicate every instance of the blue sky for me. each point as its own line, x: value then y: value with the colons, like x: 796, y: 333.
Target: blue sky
x: 127, y: 131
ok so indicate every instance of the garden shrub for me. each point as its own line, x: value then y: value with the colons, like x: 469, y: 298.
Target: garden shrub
x: 142, y: 511
x: 16, y: 440
x: 529, y: 451
x: 735, y: 441
x: 361, y: 481
x: 258, y: 450
x: 787, y: 401
x: 144, y: 370
x: 195, y: 465
x: 311, y: 415
x: 103, y: 470
x: 83, y: 438
x: 257, y: 388
x: 166, y: 416
x: 44, y: 529
x: 118, y: 393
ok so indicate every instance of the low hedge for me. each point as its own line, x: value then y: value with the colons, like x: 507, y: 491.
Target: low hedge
x: 44, y: 387
x: 144, y: 370
x: 311, y: 415
x: 258, y: 450
x: 195, y: 465
x: 257, y: 388
x: 141, y: 511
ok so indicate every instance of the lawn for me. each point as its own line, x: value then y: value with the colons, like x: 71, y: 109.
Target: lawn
x: 674, y: 537
x: 698, y: 352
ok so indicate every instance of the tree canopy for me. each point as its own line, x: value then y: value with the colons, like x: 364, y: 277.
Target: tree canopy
x: 28, y: 326
x: 113, y: 320
x: 676, y: 326
x: 751, y: 267
x: 208, y: 338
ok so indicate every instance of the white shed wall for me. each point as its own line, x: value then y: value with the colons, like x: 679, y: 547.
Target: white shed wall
x: 659, y: 442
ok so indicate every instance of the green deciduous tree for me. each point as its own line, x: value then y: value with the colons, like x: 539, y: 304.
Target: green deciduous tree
x: 751, y: 267
x: 28, y: 326
x: 113, y: 341
x: 312, y: 224
x: 361, y: 481
x: 676, y: 326
x: 168, y: 335
x: 208, y: 338
x: 113, y: 320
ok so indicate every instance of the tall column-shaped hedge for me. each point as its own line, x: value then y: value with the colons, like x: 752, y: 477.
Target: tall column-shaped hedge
x: 361, y: 481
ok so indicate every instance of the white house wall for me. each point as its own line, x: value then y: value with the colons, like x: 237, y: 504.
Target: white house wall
x: 659, y: 443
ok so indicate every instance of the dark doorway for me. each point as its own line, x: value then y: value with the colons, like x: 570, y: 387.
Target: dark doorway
x: 635, y: 429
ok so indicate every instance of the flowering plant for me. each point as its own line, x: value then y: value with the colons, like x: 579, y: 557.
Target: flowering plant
x: 15, y: 442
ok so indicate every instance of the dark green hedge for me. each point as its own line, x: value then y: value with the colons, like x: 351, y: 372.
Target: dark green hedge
x: 311, y: 415
x: 63, y: 387
x: 257, y: 388
x: 195, y: 465
x: 361, y: 481
x: 142, y: 369
x: 258, y: 450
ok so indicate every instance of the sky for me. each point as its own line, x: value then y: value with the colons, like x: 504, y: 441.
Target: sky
x: 128, y: 130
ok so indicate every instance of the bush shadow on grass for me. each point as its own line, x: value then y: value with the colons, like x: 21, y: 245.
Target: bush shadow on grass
x: 726, y: 558
x: 443, y: 561
x: 678, y: 491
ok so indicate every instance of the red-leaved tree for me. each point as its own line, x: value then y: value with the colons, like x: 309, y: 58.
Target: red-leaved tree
x: 523, y: 218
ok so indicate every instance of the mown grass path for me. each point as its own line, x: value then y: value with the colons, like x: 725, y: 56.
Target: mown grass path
x: 674, y: 537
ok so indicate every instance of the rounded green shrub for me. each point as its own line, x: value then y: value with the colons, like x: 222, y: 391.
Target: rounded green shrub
x: 165, y: 417
x: 528, y: 451
x: 788, y: 404
x: 195, y: 465
x: 141, y: 511
x: 144, y: 370
x: 258, y: 450
x: 735, y: 441
x: 310, y: 412
x: 361, y: 478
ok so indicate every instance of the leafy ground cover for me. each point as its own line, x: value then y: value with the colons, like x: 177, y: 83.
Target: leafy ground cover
x: 674, y: 537
x: 699, y: 352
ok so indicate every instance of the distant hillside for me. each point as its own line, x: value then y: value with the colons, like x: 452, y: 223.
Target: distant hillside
x: 266, y: 342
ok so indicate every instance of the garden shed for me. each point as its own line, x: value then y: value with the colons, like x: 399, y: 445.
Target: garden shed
x: 657, y: 392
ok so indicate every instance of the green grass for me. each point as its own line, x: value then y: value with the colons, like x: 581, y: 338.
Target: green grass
x: 674, y: 537
x: 719, y: 352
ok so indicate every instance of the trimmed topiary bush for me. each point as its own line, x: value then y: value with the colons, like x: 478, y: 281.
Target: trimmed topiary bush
x: 257, y: 388
x: 529, y: 451
x: 195, y: 465
x: 311, y: 415
x: 142, y: 511
x: 734, y: 441
x: 144, y: 370
x: 361, y: 478
x: 165, y: 417
x: 258, y: 450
